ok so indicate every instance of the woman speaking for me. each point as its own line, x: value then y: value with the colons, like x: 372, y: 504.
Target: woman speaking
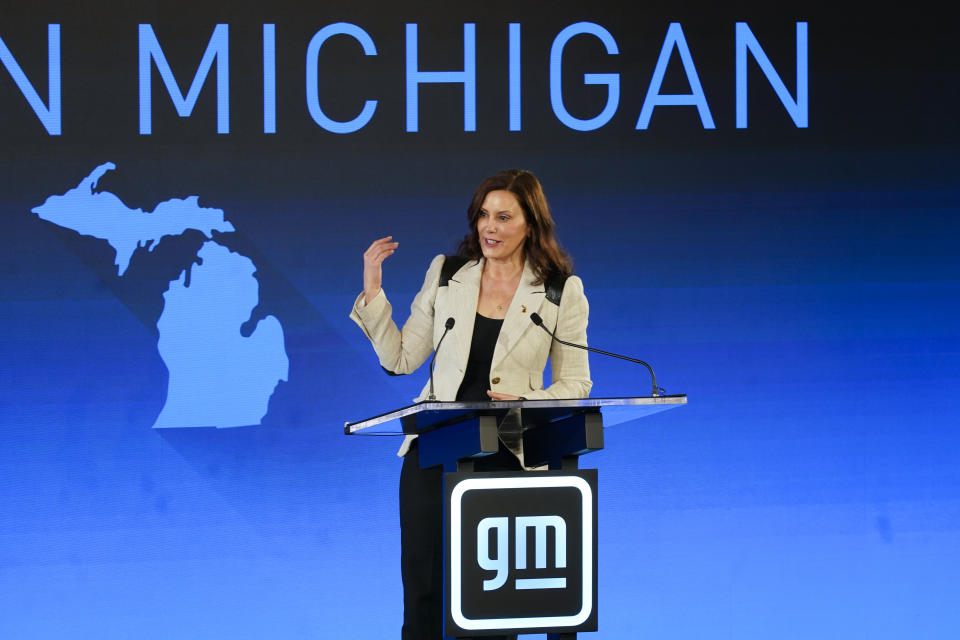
x: 507, y: 267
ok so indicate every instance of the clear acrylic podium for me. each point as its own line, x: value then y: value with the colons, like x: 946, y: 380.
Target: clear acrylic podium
x: 554, y: 432
x: 546, y: 538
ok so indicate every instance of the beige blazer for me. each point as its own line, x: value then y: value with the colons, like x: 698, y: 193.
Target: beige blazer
x: 522, y: 348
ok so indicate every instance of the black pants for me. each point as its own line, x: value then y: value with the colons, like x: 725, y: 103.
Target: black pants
x: 421, y: 541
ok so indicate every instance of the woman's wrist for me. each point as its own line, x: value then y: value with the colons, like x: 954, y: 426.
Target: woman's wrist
x: 368, y: 296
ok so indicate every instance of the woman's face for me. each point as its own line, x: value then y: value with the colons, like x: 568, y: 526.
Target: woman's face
x: 502, y: 227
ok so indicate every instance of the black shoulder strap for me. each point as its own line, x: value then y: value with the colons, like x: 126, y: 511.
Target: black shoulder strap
x: 451, y: 264
x: 554, y: 287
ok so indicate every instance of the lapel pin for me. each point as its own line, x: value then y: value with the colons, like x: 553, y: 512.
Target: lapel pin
x: 523, y: 308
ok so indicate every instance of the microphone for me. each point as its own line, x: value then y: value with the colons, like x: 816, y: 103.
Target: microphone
x: 447, y: 326
x: 537, y: 320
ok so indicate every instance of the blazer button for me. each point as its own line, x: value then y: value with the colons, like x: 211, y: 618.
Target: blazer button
x: 495, y: 381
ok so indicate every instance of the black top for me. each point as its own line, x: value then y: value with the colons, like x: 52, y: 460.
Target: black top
x: 476, y: 379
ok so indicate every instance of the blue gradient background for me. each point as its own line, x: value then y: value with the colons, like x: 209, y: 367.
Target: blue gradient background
x: 801, y: 286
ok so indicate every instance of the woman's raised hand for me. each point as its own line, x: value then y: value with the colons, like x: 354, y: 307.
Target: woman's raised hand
x: 373, y: 257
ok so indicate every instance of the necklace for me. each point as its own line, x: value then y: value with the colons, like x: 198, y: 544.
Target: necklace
x: 506, y: 302
x: 499, y: 305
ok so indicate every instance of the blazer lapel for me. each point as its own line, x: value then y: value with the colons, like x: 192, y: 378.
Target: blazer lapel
x: 464, y: 292
x: 528, y: 299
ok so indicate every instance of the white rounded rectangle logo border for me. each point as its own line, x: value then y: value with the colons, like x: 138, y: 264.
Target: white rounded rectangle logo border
x: 531, y: 482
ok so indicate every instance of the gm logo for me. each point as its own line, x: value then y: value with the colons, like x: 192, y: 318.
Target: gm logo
x: 500, y: 563
x: 521, y: 552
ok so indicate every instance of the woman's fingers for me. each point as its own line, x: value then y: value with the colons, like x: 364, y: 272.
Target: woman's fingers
x: 501, y: 396
x: 384, y: 254
x: 380, y: 242
x: 380, y: 250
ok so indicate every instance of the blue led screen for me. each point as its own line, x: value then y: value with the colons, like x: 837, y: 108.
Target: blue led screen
x: 761, y: 201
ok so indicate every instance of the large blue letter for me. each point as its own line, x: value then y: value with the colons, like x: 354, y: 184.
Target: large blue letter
x: 49, y: 116
x: 654, y: 98
x: 218, y: 48
x: 468, y: 77
x: 269, y: 78
x: 513, y: 30
x: 313, y: 101
x: 798, y: 109
x: 612, y: 80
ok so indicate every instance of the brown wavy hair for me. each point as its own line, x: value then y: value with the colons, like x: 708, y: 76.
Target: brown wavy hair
x: 540, y: 247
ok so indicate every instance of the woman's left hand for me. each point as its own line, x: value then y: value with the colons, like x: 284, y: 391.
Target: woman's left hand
x: 501, y: 396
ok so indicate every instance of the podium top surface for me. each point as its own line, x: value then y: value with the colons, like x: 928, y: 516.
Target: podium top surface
x: 435, y: 414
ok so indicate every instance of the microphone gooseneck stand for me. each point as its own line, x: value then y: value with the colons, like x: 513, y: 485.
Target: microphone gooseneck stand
x: 537, y: 320
x: 447, y: 326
